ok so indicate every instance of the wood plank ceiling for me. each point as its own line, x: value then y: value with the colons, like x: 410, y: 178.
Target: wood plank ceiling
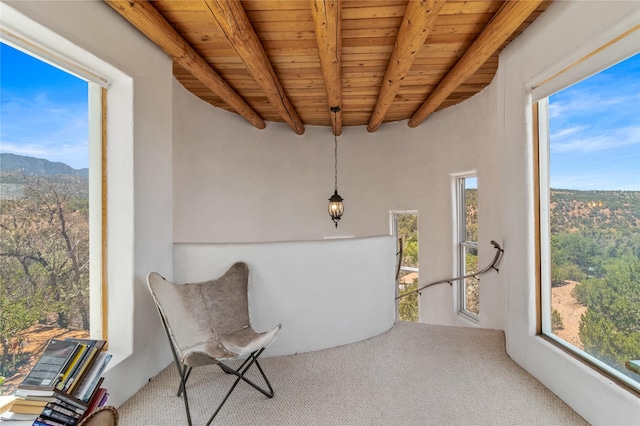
x: 293, y: 61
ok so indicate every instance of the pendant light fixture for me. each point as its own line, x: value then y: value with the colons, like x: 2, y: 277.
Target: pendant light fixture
x: 336, y: 208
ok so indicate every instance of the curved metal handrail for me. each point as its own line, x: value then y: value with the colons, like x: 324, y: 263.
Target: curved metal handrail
x: 492, y: 265
x: 399, y: 256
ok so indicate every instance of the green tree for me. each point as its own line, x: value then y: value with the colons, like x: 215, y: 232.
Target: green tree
x: 576, y: 249
x: 472, y: 285
x: 44, y: 258
x: 471, y: 214
x: 17, y: 314
x: 562, y: 273
x: 408, y: 305
x: 44, y: 238
x: 610, y: 329
x: 556, y: 320
x: 408, y: 231
x: 596, y: 241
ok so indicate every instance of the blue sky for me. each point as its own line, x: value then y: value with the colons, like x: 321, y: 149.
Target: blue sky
x: 43, y: 111
x: 594, y: 124
x: 595, y: 131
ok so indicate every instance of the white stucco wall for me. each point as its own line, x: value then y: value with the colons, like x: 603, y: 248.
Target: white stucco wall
x: 323, y: 293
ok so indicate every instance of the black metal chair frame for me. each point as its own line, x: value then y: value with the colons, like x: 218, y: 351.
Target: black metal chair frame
x: 240, y: 372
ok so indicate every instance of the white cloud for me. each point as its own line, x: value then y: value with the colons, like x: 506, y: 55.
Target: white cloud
x: 568, y: 131
x: 576, y: 103
x: 573, y: 139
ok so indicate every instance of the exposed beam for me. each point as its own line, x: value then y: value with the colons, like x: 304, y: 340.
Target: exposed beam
x: 419, y: 18
x: 237, y: 28
x: 496, y: 32
x: 327, y: 18
x: 148, y: 20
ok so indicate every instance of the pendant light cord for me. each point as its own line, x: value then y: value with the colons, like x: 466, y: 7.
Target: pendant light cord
x: 335, y: 139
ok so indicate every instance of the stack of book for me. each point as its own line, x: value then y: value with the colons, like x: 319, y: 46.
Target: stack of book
x: 22, y: 406
x: 64, y: 386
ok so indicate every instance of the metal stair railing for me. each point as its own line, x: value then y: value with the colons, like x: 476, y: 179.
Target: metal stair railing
x: 492, y: 265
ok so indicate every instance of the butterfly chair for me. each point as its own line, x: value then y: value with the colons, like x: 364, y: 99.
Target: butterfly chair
x: 208, y: 323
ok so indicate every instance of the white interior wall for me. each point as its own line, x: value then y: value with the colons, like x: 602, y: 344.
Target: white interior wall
x: 236, y: 184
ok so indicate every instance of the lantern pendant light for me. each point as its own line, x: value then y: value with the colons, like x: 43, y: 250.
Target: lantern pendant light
x: 336, y: 208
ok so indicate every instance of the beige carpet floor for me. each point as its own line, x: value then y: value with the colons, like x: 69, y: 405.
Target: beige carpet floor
x: 414, y: 374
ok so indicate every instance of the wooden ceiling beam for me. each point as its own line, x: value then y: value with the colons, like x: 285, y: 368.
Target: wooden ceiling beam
x: 497, y: 31
x: 235, y: 24
x: 148, y: 20
x: 417, y: 23
x: 327, y: 18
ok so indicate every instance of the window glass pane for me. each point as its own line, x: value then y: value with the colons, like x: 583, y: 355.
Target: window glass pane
x: 472, y: 285
x: 471, y: 209
x: 469, y: 291
x: 594, y: 216
x: 44, y: 210
x: 407, y: 232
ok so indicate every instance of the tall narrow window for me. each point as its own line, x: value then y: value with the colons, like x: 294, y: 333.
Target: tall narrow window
x: 590, y: 218
x: 406, y: 230
x: 50, y: 209
x: 469, y: 290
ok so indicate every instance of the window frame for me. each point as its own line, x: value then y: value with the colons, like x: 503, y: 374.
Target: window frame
x: 463, y: 245
x: 96, y: 117
x: 98, y: 211
x: 606, y: 56
x: 394, y: 217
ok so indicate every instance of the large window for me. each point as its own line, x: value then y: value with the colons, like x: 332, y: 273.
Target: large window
x: 51, y: 198
x: 589, y: 157
x: 469, y: 288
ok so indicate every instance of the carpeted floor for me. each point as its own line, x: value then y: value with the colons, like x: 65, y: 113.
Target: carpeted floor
x: 414, y: 374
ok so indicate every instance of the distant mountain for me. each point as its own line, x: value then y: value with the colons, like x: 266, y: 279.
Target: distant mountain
x: 37, y: 166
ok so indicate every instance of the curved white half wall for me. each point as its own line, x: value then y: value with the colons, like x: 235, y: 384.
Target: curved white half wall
x: 324, y: 293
